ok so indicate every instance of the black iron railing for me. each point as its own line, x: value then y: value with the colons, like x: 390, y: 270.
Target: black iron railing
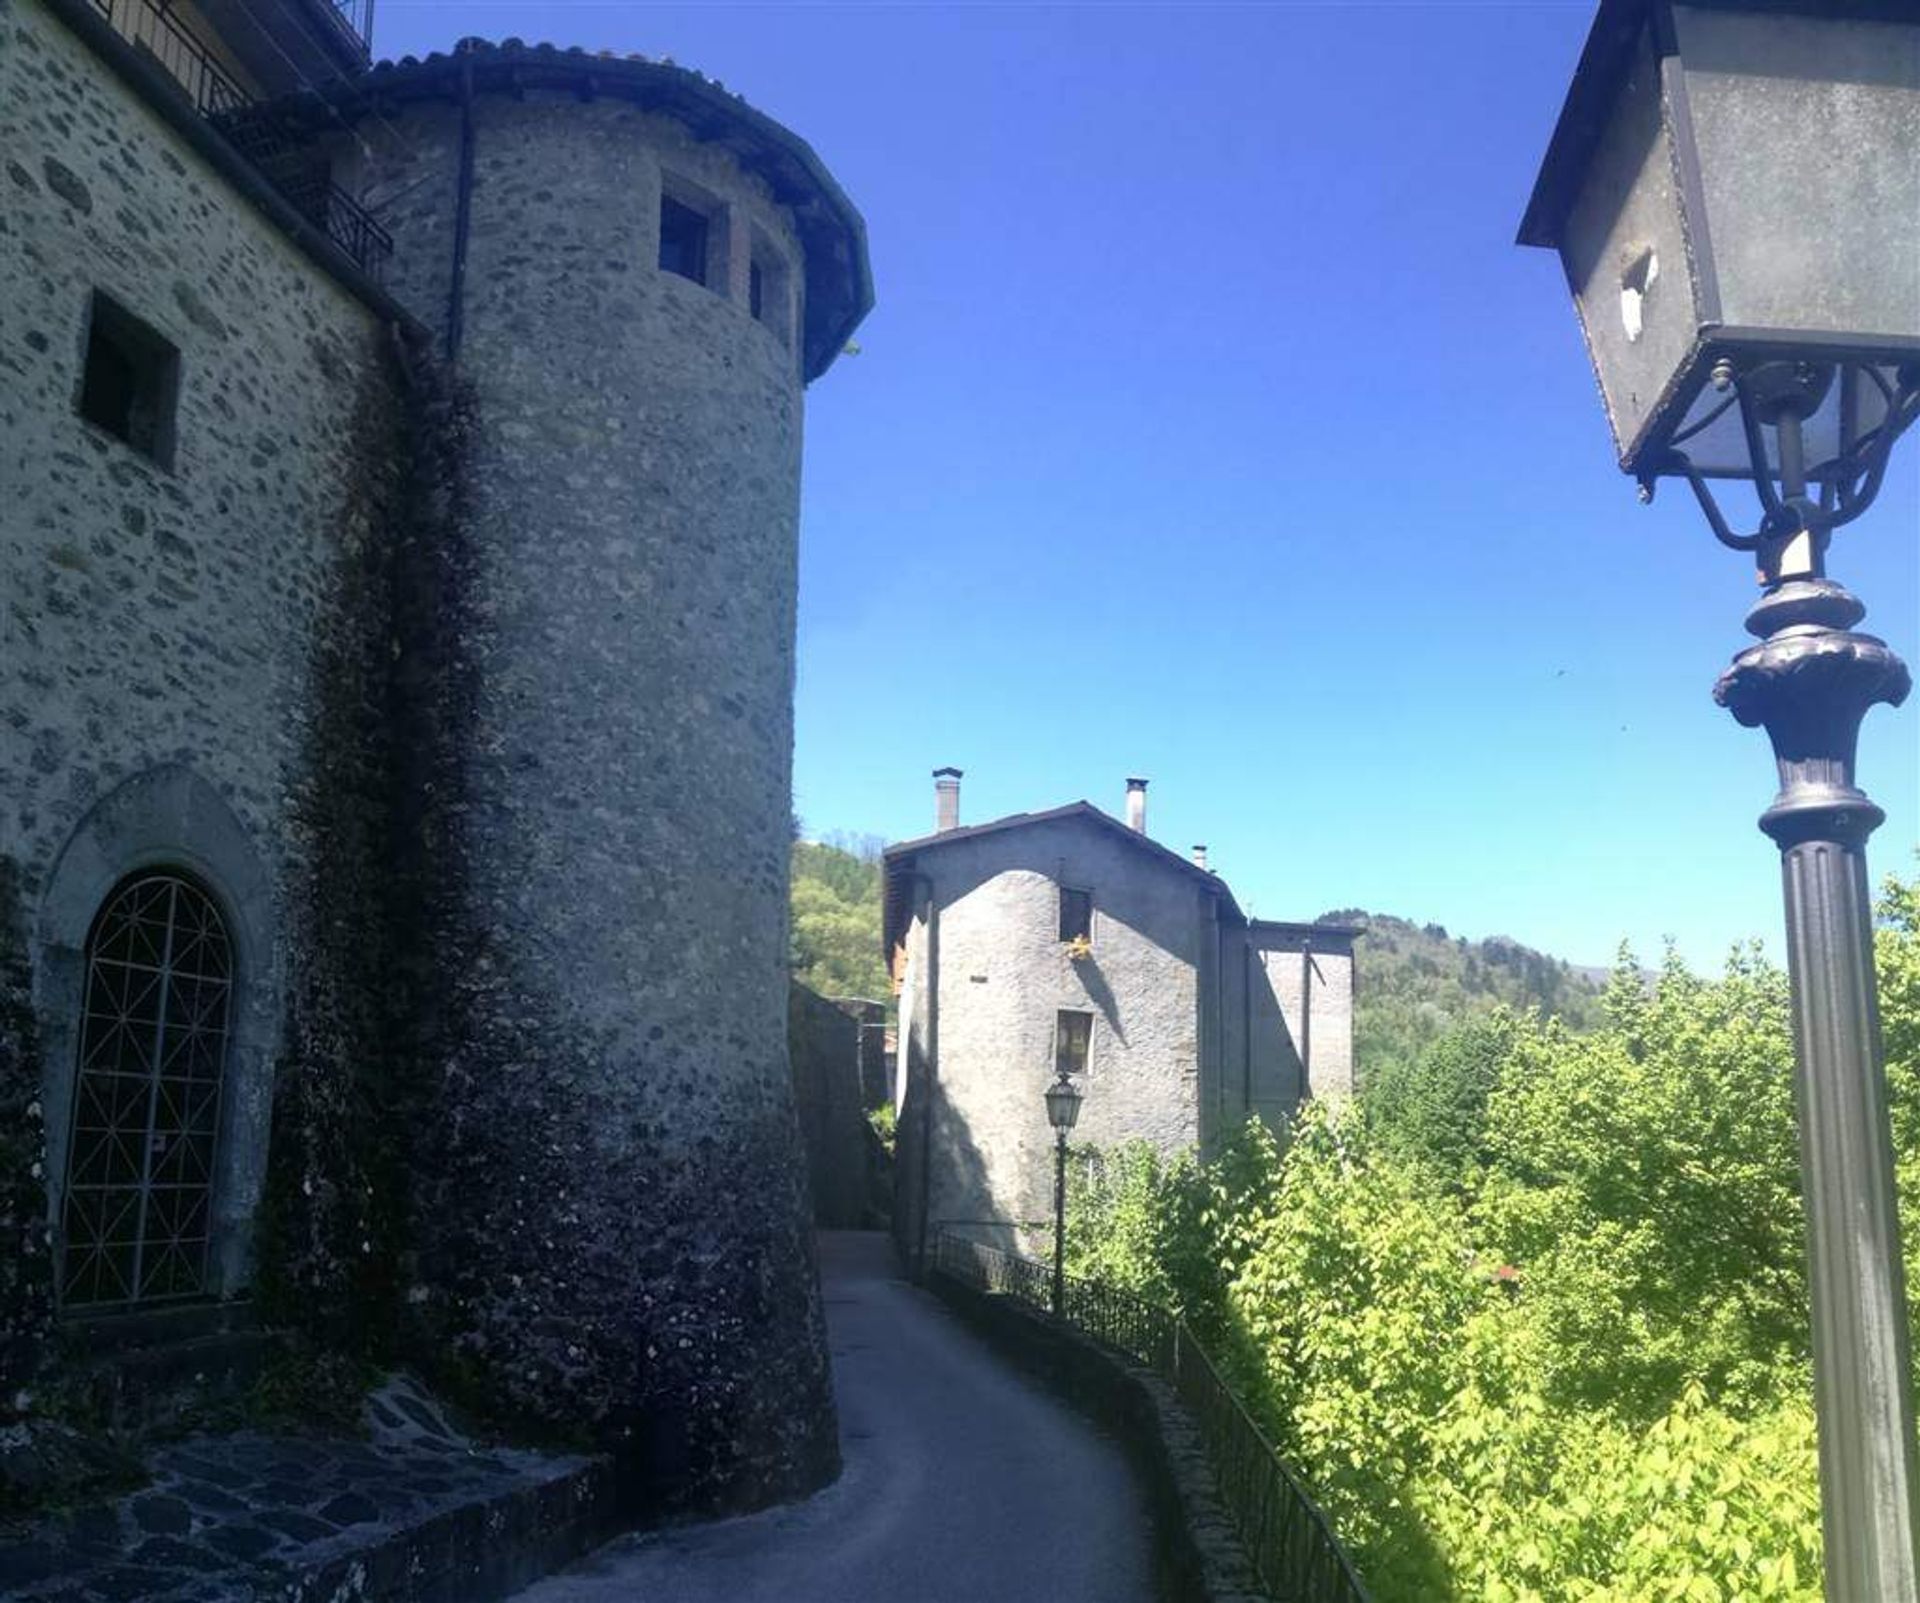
x: 255, y: 130
x: 353, y: 18
x: 152, y: 28
x: 1288, y: 1539
x: 345, y: 221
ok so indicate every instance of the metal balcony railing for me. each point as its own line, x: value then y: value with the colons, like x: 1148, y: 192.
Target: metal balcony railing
x: 354, y: 18
x: 150, y: 27
x: 253, y: 130
x: 345, y: 221
x: 1287, y: 1537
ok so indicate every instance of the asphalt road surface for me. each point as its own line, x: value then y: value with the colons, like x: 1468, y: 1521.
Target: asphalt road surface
x: 964, y: 1483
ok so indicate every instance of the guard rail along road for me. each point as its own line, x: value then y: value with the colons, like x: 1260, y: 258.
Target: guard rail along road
x: 1288, y: 1540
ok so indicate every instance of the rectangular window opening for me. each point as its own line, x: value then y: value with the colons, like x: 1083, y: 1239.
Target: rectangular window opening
x: 1076, y: 915
x: 1072, y: 1041
x: 131, y: 381
x: 683, y: 240
x: 769, y: 291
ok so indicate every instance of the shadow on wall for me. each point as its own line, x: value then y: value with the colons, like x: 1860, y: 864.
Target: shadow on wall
x: 1277, y: 1079
x: 1136, y: 895
x: 823, y: 1044
x: 926, y: 1195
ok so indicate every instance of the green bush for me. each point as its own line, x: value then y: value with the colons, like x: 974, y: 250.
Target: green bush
x: 1532, y: 1323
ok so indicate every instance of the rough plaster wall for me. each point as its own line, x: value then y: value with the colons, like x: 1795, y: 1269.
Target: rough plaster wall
x: 181, y: 617
x: 1278, y: 1004
x: 613, y: 1223
x: 1004, y: 974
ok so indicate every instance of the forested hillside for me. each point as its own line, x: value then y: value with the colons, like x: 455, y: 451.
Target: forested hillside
x: 836, y: 917
x: 1414, y: 983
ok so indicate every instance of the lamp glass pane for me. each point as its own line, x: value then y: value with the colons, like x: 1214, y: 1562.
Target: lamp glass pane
x: 1625, y: 251
x: 1720, y: 449
x: 1808, y: 130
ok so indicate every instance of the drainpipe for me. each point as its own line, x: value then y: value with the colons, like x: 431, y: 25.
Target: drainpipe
x: 1307, y: 970
x: 462, y: 207
x: 1246, y: 1025
x: 925, y: 882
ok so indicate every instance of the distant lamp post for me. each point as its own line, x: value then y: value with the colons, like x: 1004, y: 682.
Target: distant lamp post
x: 1063, y: 1107
x: 1734, y: 192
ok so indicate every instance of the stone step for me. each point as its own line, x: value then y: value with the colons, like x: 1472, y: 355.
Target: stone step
x: 146, y: 1387
x: 414, y: 1511
x: 123, y: 1330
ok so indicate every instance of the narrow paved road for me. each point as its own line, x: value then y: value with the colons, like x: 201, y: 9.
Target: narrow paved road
x: 964, y: 1483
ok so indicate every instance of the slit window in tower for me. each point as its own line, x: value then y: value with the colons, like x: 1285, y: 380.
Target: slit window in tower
x: 683, y: 240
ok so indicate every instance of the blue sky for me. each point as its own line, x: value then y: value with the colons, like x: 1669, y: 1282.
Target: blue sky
x: 1211, y: 427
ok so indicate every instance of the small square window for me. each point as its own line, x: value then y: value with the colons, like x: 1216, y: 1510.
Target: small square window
x: 131, y: 379
x: 683, y: 240
x: 1072, y: 1041
x: 1076, y: 915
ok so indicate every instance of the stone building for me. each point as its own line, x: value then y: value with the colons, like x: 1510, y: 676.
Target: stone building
x: 1071, y: 942
x: 396, y: 660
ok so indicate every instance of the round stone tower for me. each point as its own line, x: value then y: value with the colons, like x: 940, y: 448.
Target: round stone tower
x: 633, y: 276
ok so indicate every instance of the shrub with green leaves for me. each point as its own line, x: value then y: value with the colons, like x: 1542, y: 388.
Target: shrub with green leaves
x: 1532, y: 1322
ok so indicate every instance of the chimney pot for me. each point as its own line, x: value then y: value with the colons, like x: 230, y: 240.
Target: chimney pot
x: 1200, y: 857
x: 1137, y: 805
x: 946, y: 799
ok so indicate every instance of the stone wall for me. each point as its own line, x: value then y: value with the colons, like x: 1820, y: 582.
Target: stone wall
x: 170, y: 634
x: 467, y: 689
x: 611, y: 1213
x: 824, y: 1044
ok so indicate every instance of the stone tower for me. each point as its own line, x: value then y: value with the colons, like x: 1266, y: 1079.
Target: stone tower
x: 633, y: 276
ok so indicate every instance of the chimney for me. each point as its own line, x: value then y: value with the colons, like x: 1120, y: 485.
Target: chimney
x: 1137, y: 805
x: 946, y: 800
x: 1199, y: 857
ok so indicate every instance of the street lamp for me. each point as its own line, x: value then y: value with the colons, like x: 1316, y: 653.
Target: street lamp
x: 1063, y: 1107
x: 1734, y: 191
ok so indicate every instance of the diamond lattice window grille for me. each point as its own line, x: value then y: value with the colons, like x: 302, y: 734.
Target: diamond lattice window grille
x: 146, y: 1106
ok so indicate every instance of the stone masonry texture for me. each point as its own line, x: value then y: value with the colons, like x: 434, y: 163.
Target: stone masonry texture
x: 613, y: 1227
x: 463, y: 678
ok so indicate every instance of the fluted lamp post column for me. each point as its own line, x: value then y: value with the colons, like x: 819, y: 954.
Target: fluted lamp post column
x: 1063, y: 1107
x: 1734, y: 192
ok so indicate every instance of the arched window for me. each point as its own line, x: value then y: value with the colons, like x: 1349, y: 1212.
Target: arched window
x: 146, y: 1106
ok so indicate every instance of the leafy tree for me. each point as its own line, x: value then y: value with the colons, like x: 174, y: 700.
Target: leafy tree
x: 836, y: 919
x: 1532, y: 1325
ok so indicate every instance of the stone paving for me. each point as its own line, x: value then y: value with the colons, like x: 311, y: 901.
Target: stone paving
x: 408, y: 1511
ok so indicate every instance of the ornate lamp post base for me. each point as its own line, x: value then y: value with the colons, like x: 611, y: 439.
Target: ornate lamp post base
x: 1809, y: 683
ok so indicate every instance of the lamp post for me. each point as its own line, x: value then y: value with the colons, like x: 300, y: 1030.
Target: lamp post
x: 1063, y: 1107
x: 1734, y: 191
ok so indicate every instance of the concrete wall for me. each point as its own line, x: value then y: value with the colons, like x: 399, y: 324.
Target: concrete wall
x: 614, y: 1223
x: 167, y: 632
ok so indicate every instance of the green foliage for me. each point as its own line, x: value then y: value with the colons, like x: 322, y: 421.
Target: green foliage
x: 1430, y: 1111
x: 1531, y: 1323
x: 1418, y: 984
x: 885, y: 1125
x: 836, y: 919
